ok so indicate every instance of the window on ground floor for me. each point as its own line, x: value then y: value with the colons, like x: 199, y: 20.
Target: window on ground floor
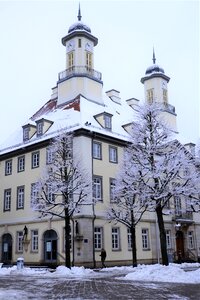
x: 115, y: 238
x: 20, y: 241
x: 34, y: 240
x: 98, y: 238
x: 129, y: 238
x: 190, y: 240
x: 145, y: 239
x: 168, y: 239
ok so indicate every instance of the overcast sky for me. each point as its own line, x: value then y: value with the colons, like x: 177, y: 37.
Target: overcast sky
x: 31, y: 53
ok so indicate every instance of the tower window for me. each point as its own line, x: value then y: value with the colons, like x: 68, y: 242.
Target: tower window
x: 79, y: 43
x: 71, y: 59
x: 165, y: 96
x: 150, y: 96
x: 88, y: 60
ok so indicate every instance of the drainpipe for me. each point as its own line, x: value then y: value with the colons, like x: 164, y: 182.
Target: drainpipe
x: 93, y: 221
x: 93, y: 210
x: 73, y: 243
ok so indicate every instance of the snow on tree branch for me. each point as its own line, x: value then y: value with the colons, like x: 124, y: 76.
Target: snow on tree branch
x: 64, y: 183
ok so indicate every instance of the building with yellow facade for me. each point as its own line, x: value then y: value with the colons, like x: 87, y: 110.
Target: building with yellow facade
x: 100, y: 122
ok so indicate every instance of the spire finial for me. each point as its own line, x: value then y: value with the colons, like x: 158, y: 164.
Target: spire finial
x: 154, y: 57
x: 79, y: 13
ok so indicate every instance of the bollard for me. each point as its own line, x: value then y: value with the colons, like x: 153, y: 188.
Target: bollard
x: 20, y: 263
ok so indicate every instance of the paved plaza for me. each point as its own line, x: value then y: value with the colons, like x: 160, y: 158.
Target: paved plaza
x: 107, y: 286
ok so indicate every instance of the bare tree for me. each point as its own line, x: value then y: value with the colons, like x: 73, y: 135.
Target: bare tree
x: 161, y: 168
x: 127, y: 206
x: 63, y: 186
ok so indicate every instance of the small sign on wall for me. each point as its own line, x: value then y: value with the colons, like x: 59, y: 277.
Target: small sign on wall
x: 5, y: 247
x: 48, y: 246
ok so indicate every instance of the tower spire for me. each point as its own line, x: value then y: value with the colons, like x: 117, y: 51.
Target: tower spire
x: 154, y: 57
x: 79, y: 13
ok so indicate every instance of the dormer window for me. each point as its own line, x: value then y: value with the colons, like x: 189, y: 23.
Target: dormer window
x: 28, y: 131
x: 40, y: 128
x: 107, y: 120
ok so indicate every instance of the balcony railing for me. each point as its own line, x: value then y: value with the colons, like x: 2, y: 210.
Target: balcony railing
x: 184, y: 217
x: 80, y: 71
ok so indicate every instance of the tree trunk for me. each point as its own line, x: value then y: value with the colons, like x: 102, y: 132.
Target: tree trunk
x: 163, y: 244
x: 67, y: 239
x: 133, y: 241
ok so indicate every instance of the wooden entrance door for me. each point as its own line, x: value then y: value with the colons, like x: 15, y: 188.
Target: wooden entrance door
x: 180, y: 245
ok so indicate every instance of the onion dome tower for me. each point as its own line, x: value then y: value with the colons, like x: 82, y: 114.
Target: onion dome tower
x: 156, y: 89
x: 79, y: 77
x: 155, y: 83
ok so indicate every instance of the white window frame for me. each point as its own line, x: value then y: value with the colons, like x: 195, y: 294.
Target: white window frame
x: 20, y: 197
x: 108, y: 121
x: 98, y: 238
x: 113, y: 154
x: 115, y: 238
x: 34, y: 240
x: 49, y: 156
x: 34, y: 192
x: 145, y: 239
x: 21, y: 163
x: 112, y: 189
x: 35, y: 159
x: 191, y: 239
x: 40, y: 128
x: 169, y: 239
x: 97, y: 188
x: 97, y: 150
x: 50, y: 194
x: 177, y: 206
x: 19, y: 241
x: 129, y: 238
x: 7, y: 200
x: 26, y: 133
x: 8, y: 167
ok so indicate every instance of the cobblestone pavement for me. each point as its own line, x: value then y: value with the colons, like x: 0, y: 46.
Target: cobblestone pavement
x: 105, y: 286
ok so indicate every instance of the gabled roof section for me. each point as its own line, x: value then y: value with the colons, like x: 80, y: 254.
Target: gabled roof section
x: 45, y: 109
x: 78, y: 113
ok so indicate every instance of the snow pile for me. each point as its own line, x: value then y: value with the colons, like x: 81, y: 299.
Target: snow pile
x: 160, y: 273
x: 74, y: 271
x: 179, y: 273
x: 25, y: 271
x: 60, y: 271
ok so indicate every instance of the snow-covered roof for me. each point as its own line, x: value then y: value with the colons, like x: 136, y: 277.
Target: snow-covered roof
x: 75, y: 114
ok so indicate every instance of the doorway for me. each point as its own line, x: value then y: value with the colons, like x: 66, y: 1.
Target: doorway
x: 50, y: 246
x: 180, y: 245
x: 7, y: 248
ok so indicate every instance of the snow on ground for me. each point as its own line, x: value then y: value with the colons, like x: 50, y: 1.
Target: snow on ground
x: 173, y: 273
x: 179, y: 273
